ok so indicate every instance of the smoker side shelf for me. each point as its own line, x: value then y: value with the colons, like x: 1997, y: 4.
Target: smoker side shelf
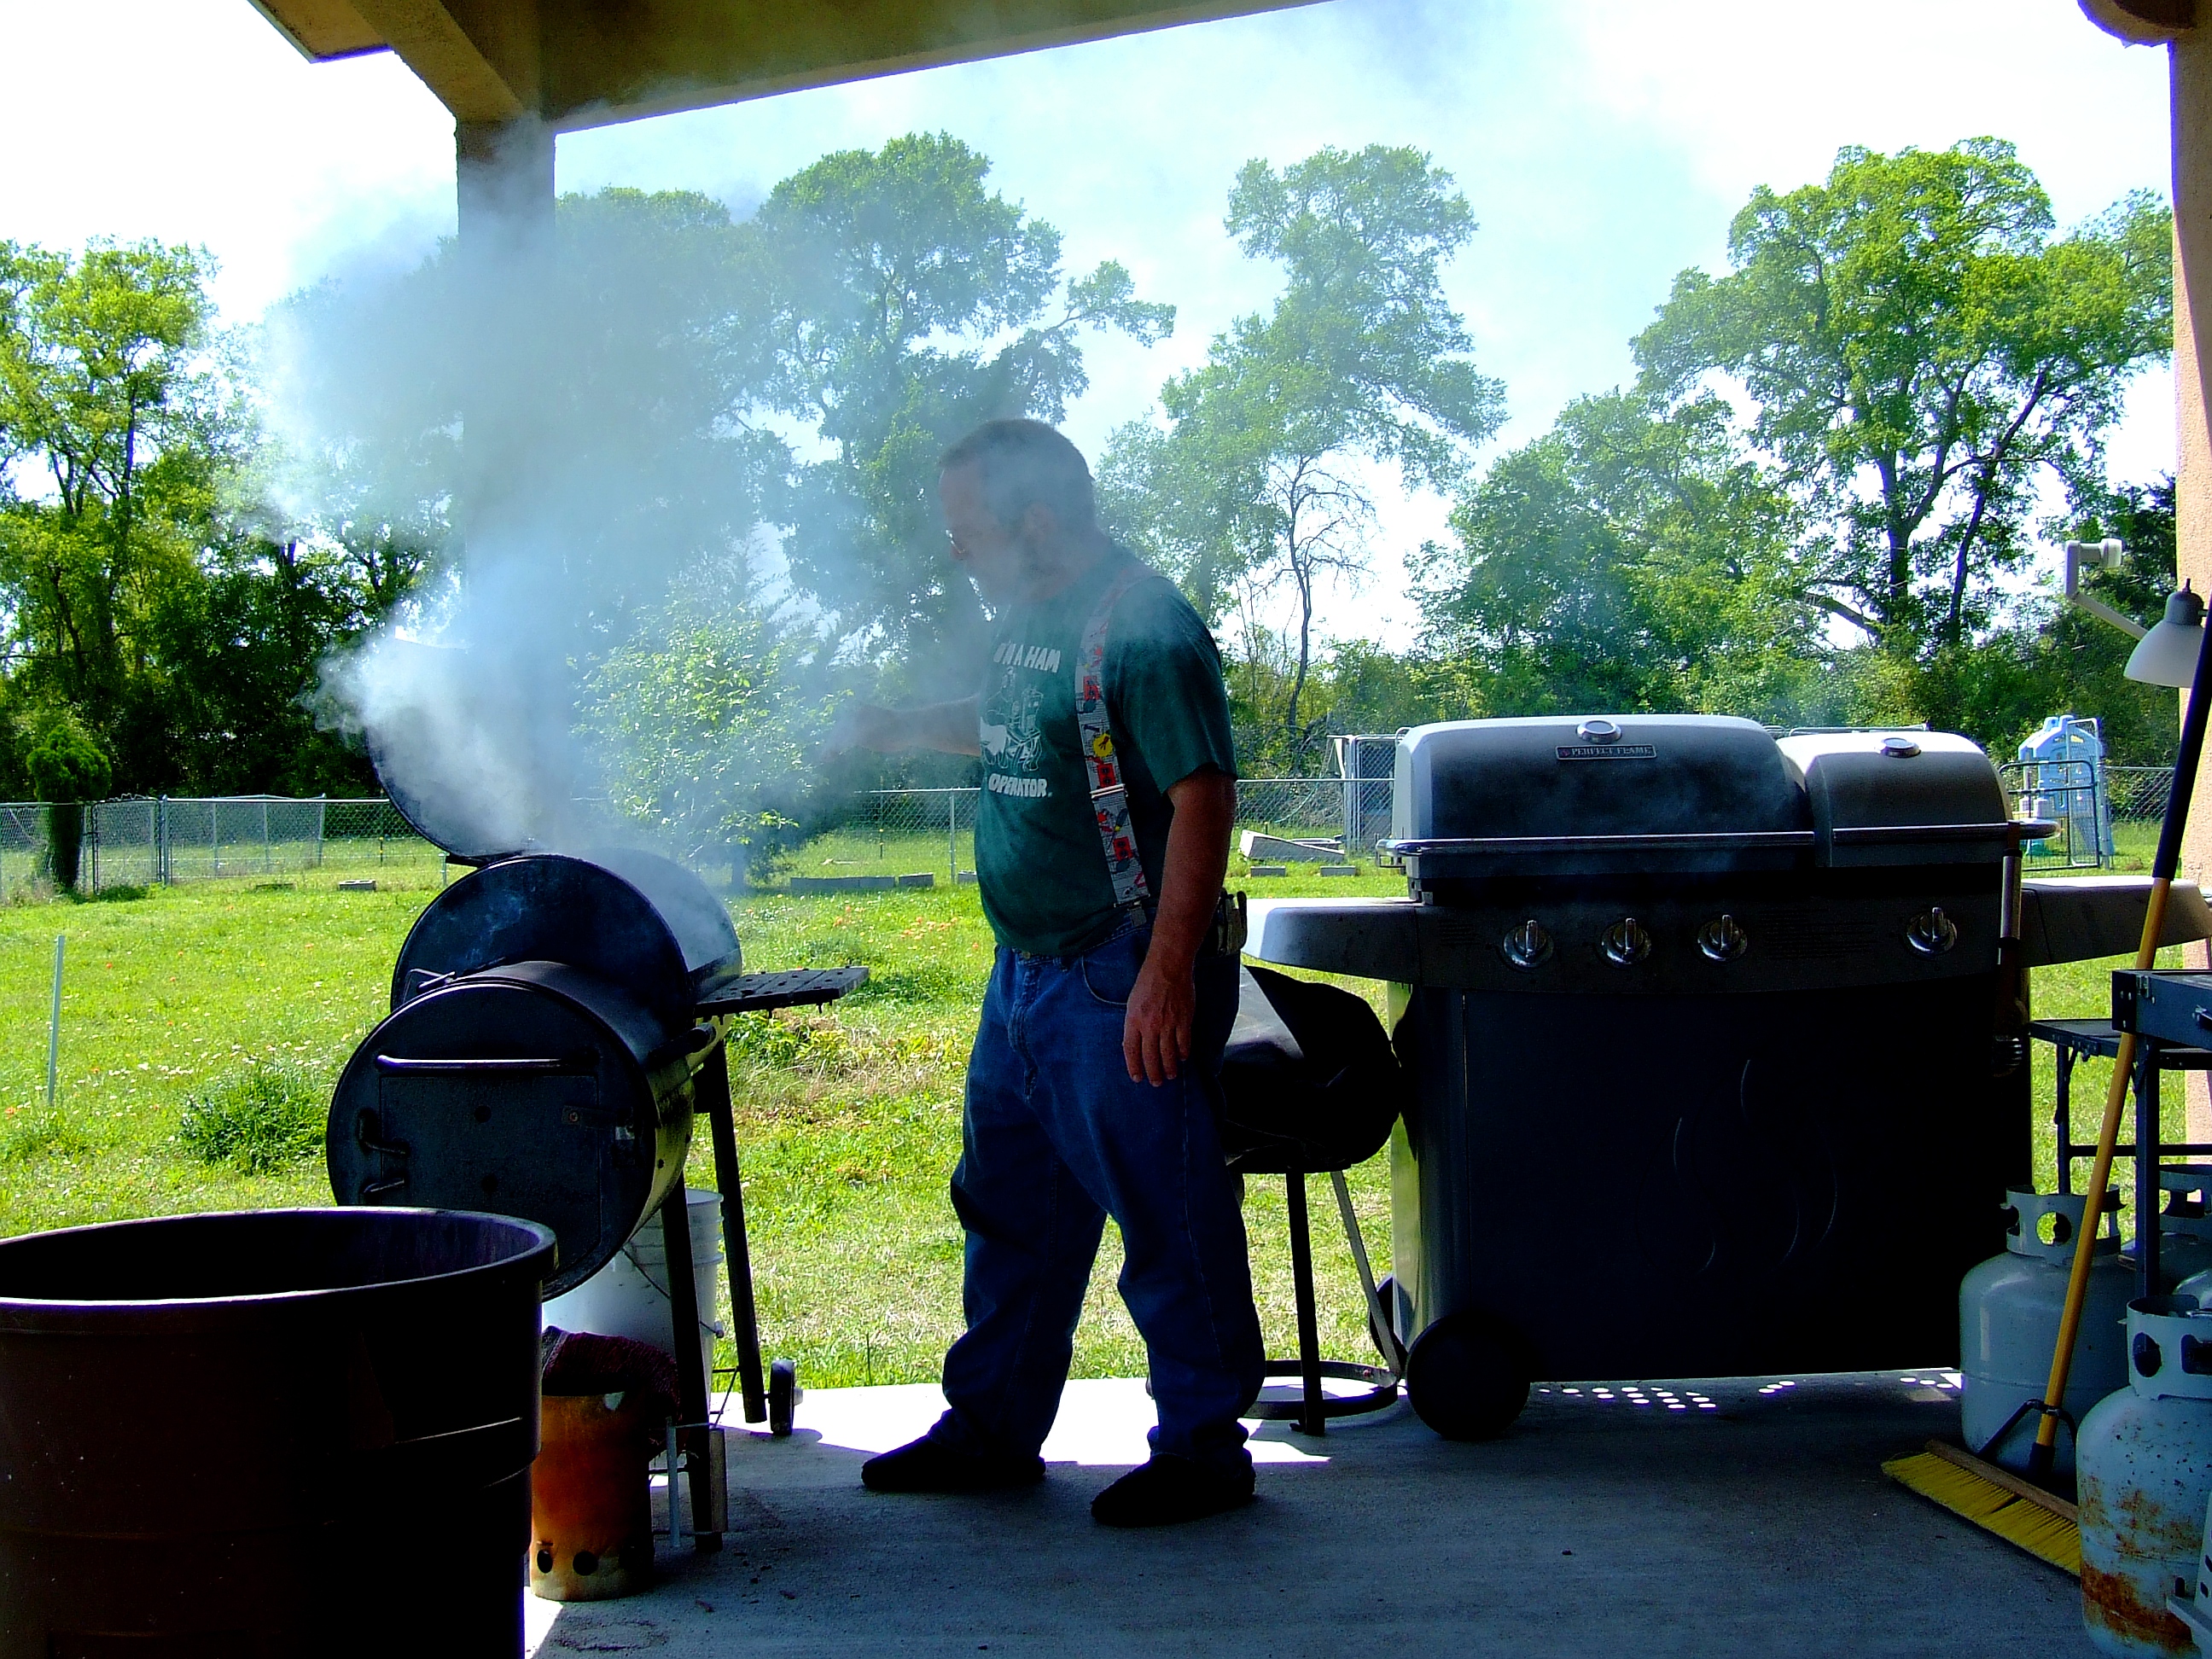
x: 750, y: 994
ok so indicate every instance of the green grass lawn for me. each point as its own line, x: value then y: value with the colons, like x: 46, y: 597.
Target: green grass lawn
x: 848, y: 1117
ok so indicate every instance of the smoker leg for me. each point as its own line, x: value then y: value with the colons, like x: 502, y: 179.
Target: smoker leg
x: 1313, y: 1419
x: 2147, y: 1149
x: 712, y: 1087
x: 690, y: 1370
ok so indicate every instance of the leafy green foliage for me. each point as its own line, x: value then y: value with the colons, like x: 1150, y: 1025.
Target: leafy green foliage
x: 63, y: 761
x: 1632, y: 558
x: 1257, y: 483
x: 709, y: 717
x: 108, y: 393
x: 906, y: 303
x: 1921, y: 349
x: 257, y: 1119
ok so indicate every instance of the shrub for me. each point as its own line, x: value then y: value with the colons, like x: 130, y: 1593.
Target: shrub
x: 259, y: 1118
x: 66, y: 761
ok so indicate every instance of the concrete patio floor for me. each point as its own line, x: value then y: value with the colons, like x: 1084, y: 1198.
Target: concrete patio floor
x: 1748, y: 1515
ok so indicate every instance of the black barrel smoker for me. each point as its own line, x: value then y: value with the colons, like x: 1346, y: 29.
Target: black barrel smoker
x: 1715, y: 1071
x: 557, y: 1025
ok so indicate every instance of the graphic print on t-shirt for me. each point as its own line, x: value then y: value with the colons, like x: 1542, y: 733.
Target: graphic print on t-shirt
x: 1012, y: 738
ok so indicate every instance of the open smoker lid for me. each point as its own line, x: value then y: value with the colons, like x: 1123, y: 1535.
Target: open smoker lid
x: 462, y: 752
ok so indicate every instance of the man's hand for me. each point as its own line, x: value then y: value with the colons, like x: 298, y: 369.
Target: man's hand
x: 858, y: 725
x: 1156, y: 1033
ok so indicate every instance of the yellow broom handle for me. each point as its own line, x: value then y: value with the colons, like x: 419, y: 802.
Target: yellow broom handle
x: 2108, y: 1137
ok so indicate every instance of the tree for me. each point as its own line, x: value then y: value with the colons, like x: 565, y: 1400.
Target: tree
x: 709, y: 717
x: 1921, y: 351
x: 244, y: 647
x: 906, y: 303
x: 108, y: 388
x: 597, y: 441
x: 2053, y: 658
x: 1260, y: 480
x: 1633, y: 558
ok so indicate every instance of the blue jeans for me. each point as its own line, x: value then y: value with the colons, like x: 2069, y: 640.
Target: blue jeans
x: 1056, y: 1138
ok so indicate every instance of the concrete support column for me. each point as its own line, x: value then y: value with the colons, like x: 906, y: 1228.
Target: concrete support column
x: 503, y: 181
x: 2191, y: 57
x: 503, y: 189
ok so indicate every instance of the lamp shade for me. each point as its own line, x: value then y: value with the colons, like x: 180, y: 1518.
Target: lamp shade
x: 2167, y: 655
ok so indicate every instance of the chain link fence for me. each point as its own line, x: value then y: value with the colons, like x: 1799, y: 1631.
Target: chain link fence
x: 2105, y: 814
x: 913, y: 831
x: 154, y: 841
x: 2138, y: 793
x: 145, y: 842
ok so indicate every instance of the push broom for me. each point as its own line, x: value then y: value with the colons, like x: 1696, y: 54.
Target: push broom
x: 2022, y: 1511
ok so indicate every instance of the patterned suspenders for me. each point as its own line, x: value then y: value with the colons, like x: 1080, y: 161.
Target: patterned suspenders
x: 1109, y: 794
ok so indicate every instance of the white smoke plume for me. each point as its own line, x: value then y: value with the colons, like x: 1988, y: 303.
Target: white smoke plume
x: 552, y: 412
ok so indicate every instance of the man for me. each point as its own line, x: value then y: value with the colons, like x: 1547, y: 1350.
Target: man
x: 1091, y: 1088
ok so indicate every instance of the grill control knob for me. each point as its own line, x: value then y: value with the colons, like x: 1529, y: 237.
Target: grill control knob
x: 1722, y: 939
x: 1931, y: 932
x: 1526, y: 944
x: 1627, y: 943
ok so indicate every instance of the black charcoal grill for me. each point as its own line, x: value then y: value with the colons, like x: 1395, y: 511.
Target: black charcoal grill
x: 1715, y: 1069
x: 557, y: 1025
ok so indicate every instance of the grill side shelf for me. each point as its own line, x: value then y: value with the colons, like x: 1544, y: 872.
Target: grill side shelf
x: 747, y: 994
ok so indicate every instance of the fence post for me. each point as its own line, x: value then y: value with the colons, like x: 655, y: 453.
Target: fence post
x: 161, y: 842
x: 952, y: 835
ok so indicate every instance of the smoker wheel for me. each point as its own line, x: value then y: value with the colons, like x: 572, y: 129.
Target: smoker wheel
x: 782, y: 1395
x: 1468, y: 1376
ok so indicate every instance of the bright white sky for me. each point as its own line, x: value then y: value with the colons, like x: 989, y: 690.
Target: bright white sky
x: 1604, y: 146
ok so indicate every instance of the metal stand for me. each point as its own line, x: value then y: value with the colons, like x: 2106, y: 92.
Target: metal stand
x: 1310, y: 1412
x: 692, y: 1439
x: 711, y: 1087
x: 2077, y: 1039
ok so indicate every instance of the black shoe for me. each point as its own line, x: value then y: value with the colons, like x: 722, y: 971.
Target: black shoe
x: 1168, y: 1489
x: 928, y: 1465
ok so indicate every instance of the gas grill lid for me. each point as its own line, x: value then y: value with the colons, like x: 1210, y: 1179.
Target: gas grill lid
x: 1627, y: 792
x: 1891, y: 798
x: 1652, y: 793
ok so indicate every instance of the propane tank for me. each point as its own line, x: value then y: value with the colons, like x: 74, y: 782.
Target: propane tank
x: 2185, y: 1230
x: 2008, y: 1309
x: 2144, y: 1468
x: 2195, y: 1611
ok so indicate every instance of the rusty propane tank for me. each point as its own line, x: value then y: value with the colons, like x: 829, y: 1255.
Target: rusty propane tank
x: 2144, y: 1466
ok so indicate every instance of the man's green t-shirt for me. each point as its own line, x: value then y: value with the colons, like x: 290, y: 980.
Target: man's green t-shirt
x: 1038, y: 860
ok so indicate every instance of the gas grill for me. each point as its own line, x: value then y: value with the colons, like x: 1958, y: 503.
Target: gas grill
x: 557, y: 1025
x: 1717, y: 1042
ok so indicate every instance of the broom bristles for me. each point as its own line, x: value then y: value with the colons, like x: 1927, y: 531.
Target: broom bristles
x: 2017, y: 1520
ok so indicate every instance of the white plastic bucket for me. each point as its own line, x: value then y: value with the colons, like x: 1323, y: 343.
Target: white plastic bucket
x: 629, y: 1297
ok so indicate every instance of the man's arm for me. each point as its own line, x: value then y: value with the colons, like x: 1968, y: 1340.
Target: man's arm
x: 948, y: 727
x: 1156, y: 1033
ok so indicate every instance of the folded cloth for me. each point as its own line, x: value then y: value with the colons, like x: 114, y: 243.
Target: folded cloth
x: 578, y: 1362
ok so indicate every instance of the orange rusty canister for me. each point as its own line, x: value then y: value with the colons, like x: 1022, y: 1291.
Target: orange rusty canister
x: 591, y: 1505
